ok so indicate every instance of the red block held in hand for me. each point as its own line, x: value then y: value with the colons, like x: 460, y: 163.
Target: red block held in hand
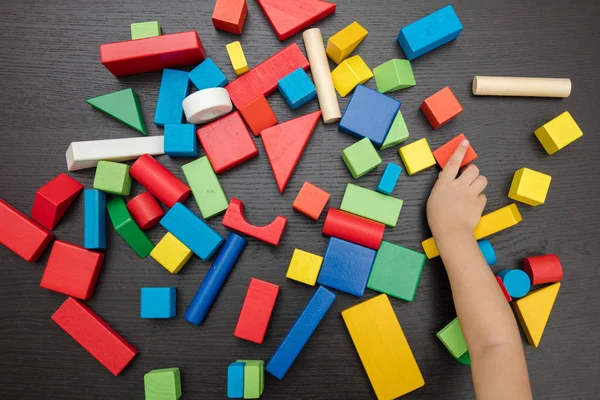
x: 53, y: 200
x: 443, y: 153
x: 256, y: 311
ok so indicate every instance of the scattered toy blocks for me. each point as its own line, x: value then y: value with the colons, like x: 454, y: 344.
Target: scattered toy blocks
x: 234, y: 219
x: 254, y: 378
x: 311, y: 201
x: 235, y: 380
x: 207, y: 75
x: 388, y: 180
x: 174, y: 87
x: 163, y: 384
x: 256, y: 311
x: 361, y: 158
x: 297, y: 89
x: 503, y: 289
x: 112, y: 177
x: 343, y: 43
x: 158, y: 302
x: 372, y: 205
x: 452, y: 337
x: 127, y: 228
x: 143, y: 30
x: 145, y: 210
x: 304, y: 267
x: 398, y: 132
x: 353, y: 228
x: 443, y: 153
x: 394, y: 75
x: 529, y: 187
x: 516, y: 282
x: 52, y: 200
x: 417, y: 156
x: 180, y: 140
x: 558, y: 133
x: 543, y: 269
x: 123, y: 106
x: 487, y: 251
x: 230, y: 15
x: 259, y: 115
x: 349, y: 74
x: 206, y: 187
x: 159, y: 181
x: 237, y: 57
x: 441, y: 108
x: 94, y: 219
x: 534, y: 311
x: 171, y: 253
x: 289, y: 18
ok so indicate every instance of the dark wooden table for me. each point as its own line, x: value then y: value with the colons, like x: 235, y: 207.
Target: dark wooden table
x: 49, y: 65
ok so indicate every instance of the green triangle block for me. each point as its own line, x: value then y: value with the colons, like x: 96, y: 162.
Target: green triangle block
x: 122, y: 105
x: 397, y: 134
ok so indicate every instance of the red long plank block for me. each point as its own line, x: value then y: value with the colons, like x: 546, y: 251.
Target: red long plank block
x: 52, y: 200
x: 159, y: 181
x: 256, y: 311
x: 94, y: 335
x: 153, y: 53
x: 234, y: 219
x: 503, y: 288
x: 443, y: 153
x: 543, y: 269
x: 230, y: 15
x: 145, y: 210
x: 262, y: 79
x: 353, y: 228
x: 21, y: 234
x: 290, y: 17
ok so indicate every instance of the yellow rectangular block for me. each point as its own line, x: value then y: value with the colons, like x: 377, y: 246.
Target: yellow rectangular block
x: 383, y: 348
x: 417, y: 156
x: 171, y: 253
x: 558, y: 133
x: 529, y: 187
x: 237, y: 57
x: 340, y: 45
x: 304, y: 267
x: 350, y: 73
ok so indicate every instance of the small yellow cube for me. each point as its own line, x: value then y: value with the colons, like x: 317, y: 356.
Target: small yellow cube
x: 340, y: 45
x: 417, y: 156
x: 529, y: 187
x: 171, y: 253
x: 237, y: 57
x: 350, y: 73
x: 558, y: 133
x: 304, y: 267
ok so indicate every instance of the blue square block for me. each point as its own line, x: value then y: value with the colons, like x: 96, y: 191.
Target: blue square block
x: 369, y: 114
x: 174, y: 87
x: 158, y: 302
x: 180, y: 140
x: 388, y: 180
x: 94, y: 219
x: 346, y: 266
x: 207, y: 75
x: 235, y: 380
x: 297, y: 89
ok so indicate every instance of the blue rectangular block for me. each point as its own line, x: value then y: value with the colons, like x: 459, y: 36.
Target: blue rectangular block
x: 207, y: 75
x: 297, y: 89
x: 235, y: 380
x: 158, y: 302
x: 303, y: 328
x: 181, y: 141
x: 346, y: 266
x: 174, y: 87
x: 388, y: 180
x: 429, y: 32
x: 94, y: 219
x: 191, y: 231
x: 369, y: 114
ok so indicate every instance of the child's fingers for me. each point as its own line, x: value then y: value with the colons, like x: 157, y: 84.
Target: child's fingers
x: 452, y: 167
x: 479, y: 184
x: 469, y: 175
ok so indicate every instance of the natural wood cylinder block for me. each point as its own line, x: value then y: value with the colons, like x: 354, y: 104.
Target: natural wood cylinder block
x: 525, y: 87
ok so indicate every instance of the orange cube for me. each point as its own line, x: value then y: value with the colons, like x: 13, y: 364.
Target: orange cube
x: 445, y: 151
x: 259, y: 115
x: 311, y: 201
x: 441, y: 108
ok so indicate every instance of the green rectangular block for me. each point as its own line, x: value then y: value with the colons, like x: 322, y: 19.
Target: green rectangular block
x: 205, y: 187
x: 361, y: 158
x: 452, y: 337
x: 163, y: 384
x: 126, y: 226
x: 142, y: 30
x: 397, y: 134
x: 254, y: 378
x: 372, y: 205
x: 112, y: 177
x: 394, y: 75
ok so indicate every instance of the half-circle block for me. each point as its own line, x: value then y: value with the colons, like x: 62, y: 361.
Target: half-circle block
x: 234, y: 219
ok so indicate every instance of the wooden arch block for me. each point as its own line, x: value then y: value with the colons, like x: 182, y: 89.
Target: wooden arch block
x: 234, y: 219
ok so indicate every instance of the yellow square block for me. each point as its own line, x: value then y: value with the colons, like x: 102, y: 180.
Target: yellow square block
x: 340, y: 45
x: 237, y: 57
x: 304, y: 267
x: 529, y: 187
x: 350, y: 73
x: 417, y: 156
x: 171, y: 253
x: 558, y: 133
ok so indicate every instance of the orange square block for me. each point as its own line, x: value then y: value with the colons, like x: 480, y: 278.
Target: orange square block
x: 259, y: 115
x: 441, y: 108
x: 445, y: 151
x: 230, y: 15
x: 311, y: 201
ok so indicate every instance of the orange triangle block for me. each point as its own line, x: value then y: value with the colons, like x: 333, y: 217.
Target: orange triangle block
x: 534, y: 310
x: 285, y: 143
x: 289, y: 17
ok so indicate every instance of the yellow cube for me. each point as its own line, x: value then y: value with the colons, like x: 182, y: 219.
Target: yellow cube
x: 304, y: 267
x: 417, y: 156
x: 340, y: 45
x: 558, y: 133
x: 237, y: 57
x: 171, y: 253
x: 350, y: 73
x: 529, y: 187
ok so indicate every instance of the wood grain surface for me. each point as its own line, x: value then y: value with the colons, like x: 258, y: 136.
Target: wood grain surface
x: 49, y: 65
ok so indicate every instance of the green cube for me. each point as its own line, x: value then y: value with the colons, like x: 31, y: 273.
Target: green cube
x: 394, y: 75
x: 397, y: 134
x: 127, y: 228
x: 396, y: 271
x: 361, y: 158
x: 142, y: 30
x: 163, y: 384
x: 452, y: 337
x: 113, y: 178
x: 254, y: 378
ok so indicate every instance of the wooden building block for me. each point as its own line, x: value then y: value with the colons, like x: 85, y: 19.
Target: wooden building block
x: 256, y: 311
x: 162, y: 384
x: 369, y: 114
x: 288, y: 18
x: 304, y: 267
x: 343, y: 43
x: 417, y: 156
x: 430, y: 32
x: 230, y: 15
x: 521, y: 86
x: 534, y: 311
x: 94, y: 219
x: 383, y: 348
x: 487, y: 251
x: 171, y: 253
x: 516, y: 282
x: 503, y: 288
x: 206, y: 187
x: 443, y: 153
x: 254, y: 378
x: 234, y: 219
x: 349, y: 74
x: 181, y: 140
x: 300, y: 333
x: 388, y: 180
x: 122, y: 106
x: 441, y: 107
x: 174, y: 87
x: 297, y: 89
x: 52, y: 200
x: 394, y: 75
x: 159, y: 181
x: 353, y: 228
x: 235, y: 380
x: 398, y: 132
x: 543, y: 269
x: 237, y: 57
x: 558, y: 133
x: 311, y: 201
x: 452, y: 337
x: 372, y: 205
x: 94, y: 335
x: 145, y: 210
x: 207, y: 105
x: 346, y: 266
x: 464, y: 359
x: 152, y: 54
x: 143, y: 30
x: 529, y: 187
x: 158, y: 302
x: 361, y: 158
x: 284, y: 144
x: 127, y: 228
x: 259, y: 115
x: 112, y: 177
x: 208, y: 75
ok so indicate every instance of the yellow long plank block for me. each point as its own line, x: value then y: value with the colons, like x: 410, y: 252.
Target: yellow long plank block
x: 383, y: 348
x: 494, y: 222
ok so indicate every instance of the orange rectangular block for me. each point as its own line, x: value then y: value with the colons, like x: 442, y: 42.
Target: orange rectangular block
x: 445, y: 151
x: 258, y: 115
x: 441, y: 108
x: 311, y: 201
x: 230, y: 15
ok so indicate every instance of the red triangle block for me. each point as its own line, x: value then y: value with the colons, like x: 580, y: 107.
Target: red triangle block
x: 290, y: 17
x: 285, y: 143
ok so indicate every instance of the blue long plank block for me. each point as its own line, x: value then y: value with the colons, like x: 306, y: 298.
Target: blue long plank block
x: 215, y: 279
x: 488, y: 251
x: 303, y: 328
x: 174, y: 87
x: 429, y: 32
x: 235, y: 380
x: 207, y: 75
x: 94, y: 219
x: 388, y: 180
x: 191, y: 231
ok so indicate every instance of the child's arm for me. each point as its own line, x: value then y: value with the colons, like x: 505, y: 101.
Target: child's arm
x: 453, y: 210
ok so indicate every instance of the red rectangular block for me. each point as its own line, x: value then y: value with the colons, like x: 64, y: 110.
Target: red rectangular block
x: 52, y: 200
x: 259, y: 115
x: 152, y: 54
x: 441, y: 108
x: 230, y: 15
x: 445, y: 151
x: 94, y: 335
x: 256, y: 311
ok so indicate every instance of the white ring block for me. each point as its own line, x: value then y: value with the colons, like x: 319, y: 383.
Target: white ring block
x: 81, y: 155
x: 207, y: 105
x: 526, y: 87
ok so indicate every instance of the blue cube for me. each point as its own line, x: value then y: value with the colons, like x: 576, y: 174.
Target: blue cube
x: 207, y: 75
x: 388, y: 180
x: 158, y: 302
x: 297, y: 89
x: 235, y: 380
x: 180, y: 140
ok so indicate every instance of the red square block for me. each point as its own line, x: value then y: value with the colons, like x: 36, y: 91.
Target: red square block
x: 445, y: 151
x: 256, y: 311
x: 311, y: 201
x: 52, y: 200
x: 259, y: 115
x: 72, y: 270
x: 230, y: 15
x: 441, y: 108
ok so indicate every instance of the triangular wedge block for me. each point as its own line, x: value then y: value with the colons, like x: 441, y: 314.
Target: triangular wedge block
x: 534, y: 310
x: 123, y: 106
x: 290, y: 17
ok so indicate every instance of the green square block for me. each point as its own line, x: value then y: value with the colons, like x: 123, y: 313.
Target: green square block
x: 452, y: 337
x: 113, y: 178
x: 394, y: 75
x: 129, y: 230
x: 206, y: 188
x: 372, y: 205
x: 397, y: 134
x: 396, y: 271
x: 163, y: 384
x: 254, y: 378
x: 142, y: 30
x: 361, y: 158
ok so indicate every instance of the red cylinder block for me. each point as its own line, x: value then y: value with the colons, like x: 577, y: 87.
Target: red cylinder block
x: 543, y: 269
x: 159, y: 181
x: 145, y: 210
x: 353, y: 228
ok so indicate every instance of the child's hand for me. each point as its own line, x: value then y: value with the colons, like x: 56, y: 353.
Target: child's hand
x: 455, y: 204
